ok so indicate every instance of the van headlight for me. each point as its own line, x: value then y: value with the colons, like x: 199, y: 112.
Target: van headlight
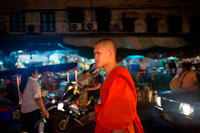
x: 158, y: 101
x: 186, y: 109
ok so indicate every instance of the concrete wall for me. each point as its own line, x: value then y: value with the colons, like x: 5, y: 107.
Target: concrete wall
x: 62, y: 4
x: 62, y: 25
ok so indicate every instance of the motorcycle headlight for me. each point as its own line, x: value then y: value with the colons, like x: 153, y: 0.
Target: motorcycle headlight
x: 186, y: 109
x: 53, y: 101
x: 158, y: 101
x: 60, y: 106
x: 70, y: 87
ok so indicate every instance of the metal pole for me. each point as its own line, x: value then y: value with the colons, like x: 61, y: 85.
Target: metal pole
x: 68, y: 77
x: 19, y: 93
x: 76, y: 75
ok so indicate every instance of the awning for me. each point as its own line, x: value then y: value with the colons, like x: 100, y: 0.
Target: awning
x: 136, y: 43
x: 41, y: 69
x: 30, y: 43
x: 154, y: 47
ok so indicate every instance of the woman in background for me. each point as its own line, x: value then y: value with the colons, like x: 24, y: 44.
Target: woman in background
x: 188, y: 79
x: 32, y: 104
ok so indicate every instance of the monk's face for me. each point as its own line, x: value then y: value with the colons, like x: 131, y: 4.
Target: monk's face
x: 101, y: 55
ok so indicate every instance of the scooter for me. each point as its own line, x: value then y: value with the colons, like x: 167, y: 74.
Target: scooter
x: 66, y: 113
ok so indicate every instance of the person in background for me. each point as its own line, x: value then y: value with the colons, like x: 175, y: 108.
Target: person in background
x: 167, y: 67
x: 32, y: 104
x: 47, y: 84
x: 95, y: 84
x: 117, y: 112
x: 173, y: 67
x: 9, y: 97
x: 143, y: 63
x: 83, y: 79
x: 187, y: 77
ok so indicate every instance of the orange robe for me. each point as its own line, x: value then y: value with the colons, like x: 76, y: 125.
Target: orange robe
x: 118, y: 104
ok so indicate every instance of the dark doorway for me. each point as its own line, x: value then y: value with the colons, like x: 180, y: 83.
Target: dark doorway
x: 128, y: 24
x: 194, y: 23
x: 152, y: 25
x: 103, y: 16
x: 75, y: 14
x: 174, y: 24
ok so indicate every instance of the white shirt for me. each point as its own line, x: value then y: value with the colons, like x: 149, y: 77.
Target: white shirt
x: 32, y: 91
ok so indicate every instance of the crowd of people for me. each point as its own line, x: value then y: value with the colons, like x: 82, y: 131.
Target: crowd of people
x: 185, y: 78
x: 115, y: 98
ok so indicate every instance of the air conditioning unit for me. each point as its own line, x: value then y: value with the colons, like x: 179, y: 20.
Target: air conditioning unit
x: 75, y: 26
x: 115, y: 26
x: 31, y: 29
x: 90, y: 26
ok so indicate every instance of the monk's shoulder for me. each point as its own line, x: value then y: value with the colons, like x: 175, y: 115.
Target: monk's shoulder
x: 121, y: 70
x: 119, y: 73
x: 119, y: 82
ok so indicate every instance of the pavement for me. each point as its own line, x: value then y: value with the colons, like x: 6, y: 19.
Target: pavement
x: 150, y: 120
x: 10, y: 127
x: 152, y: 123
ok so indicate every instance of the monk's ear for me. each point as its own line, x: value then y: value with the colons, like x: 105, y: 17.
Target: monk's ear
x: 110, y: 53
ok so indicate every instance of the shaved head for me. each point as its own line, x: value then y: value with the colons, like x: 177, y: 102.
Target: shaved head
x: 108, y: 44
x: 105, y: 54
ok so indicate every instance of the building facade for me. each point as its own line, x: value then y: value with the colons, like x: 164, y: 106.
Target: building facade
x: 89, y: 18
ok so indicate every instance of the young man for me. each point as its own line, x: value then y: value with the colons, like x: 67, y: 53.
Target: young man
x: 95, y: 84
x: 32, y: 104
x: 117, y: 112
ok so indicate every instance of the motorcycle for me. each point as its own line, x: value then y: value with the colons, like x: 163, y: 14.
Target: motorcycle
x: 10, y: 114
x: 66, y: 113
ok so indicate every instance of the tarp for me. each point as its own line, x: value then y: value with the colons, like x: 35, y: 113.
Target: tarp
x: 153, y: 47
x: 41, y: 69
x: 30, y: 43
x: 128, y: 42
x: 149, y: 46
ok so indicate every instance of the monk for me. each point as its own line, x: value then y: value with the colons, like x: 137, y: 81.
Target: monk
x: 117, y: 111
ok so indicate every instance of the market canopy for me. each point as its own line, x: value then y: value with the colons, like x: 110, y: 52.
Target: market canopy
x: 136, y: 43
x: 149, y: 46
x: 30, y: 43
x: 41, y: 69
x: 154, y: 47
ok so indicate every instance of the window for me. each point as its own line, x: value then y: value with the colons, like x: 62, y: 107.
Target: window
x: 2, y: 25
x: 194, y: 23
x: 128, y: 24
x: 17, y: 22
x: 47, y: 22
x: 174, y: 24
x: 75, y: 14
x: 103, y: 17
x: 152, y: 25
